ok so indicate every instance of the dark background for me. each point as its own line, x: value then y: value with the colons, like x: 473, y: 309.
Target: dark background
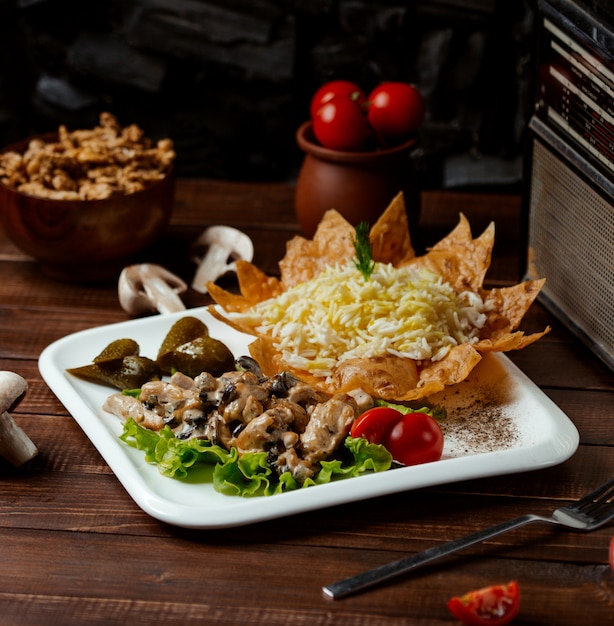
x: 230, y: 80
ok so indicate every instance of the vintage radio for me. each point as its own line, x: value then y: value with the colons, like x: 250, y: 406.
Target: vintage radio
x: 569, y: 197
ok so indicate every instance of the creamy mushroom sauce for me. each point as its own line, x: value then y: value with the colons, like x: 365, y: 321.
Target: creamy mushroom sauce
x: 297, y: 425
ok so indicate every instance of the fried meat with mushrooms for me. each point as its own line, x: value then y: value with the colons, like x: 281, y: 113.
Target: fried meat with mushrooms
x: 297, y: 425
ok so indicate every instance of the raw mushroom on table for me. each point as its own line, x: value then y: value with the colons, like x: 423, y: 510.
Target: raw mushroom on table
x: 15, y: 446
x: 147, y: 287
x: 216, y: 252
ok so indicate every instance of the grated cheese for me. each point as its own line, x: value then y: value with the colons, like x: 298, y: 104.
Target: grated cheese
x: 340, y: 315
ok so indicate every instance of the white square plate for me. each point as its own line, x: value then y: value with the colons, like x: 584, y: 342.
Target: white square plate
x: 499, y: 422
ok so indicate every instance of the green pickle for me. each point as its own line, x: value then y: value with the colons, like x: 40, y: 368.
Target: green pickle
x: 187, y: 348
x: 118, y: 349
x: 203, y: 354
x: 182, y: 331
x: 127, y: 372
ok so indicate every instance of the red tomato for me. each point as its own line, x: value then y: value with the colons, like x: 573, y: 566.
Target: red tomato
x: 411, y: 438
x: 395, y: 109
x: 416, y: 438
x: 612, y: 553
x: 491, y: 606
x: 340, y: 124
x: 334, y: 88
x: 375, y: 424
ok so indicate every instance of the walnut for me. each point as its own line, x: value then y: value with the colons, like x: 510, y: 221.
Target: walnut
x: 88, y: 164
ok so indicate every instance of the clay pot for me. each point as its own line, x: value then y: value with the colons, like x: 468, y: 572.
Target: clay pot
x: 359, y: 185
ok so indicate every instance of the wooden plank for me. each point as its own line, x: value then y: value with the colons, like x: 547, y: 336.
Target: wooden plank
x: 237, y: 579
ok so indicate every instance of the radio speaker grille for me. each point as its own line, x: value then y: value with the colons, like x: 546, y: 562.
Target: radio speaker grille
x: 571, y: 244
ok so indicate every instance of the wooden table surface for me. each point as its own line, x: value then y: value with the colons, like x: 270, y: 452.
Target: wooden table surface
x: 76, y: 549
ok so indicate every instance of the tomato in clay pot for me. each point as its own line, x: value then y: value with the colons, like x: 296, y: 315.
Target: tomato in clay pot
x: 358, y: 184
x: 351, y: 164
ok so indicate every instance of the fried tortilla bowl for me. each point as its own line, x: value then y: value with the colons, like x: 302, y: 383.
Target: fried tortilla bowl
x: 460, y: 259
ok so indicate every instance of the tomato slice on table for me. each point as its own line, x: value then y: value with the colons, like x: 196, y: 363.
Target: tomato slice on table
x: 612, y: 553
x: 496, y: 605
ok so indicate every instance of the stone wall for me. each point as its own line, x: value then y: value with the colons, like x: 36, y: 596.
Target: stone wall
x: 230, y: 80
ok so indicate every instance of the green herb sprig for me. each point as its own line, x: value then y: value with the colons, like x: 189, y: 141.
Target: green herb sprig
x: 364, y: 260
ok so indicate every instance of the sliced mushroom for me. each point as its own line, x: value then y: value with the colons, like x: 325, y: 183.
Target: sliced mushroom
x: 216, y: 252
x: 147, y: 287
x: 15, y: 446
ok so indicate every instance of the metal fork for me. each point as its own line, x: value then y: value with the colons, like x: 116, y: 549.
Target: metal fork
x: 589, y: 513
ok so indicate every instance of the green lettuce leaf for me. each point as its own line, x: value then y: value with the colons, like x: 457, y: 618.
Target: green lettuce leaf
x: 173, y: 456
x: 247, y: 475
x: 436, y: 412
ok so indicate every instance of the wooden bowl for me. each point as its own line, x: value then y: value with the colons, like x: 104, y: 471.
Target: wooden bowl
x: 86, y: 240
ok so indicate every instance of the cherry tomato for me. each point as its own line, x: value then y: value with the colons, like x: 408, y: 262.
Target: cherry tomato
x: 612, y: 553
x: 340, y: 124
x: 328, y: 91
x: 395, y: 110
x: 491, y: 606
x: 416, y: 438
x: 375, y: 424
x: 411, y: 438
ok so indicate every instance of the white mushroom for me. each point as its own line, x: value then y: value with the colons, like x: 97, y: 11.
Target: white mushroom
x: 147, y: 287
x: 15, y: 446
x: 216, y: 252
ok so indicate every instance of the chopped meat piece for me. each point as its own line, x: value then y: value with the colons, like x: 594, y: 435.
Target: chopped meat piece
x: 218, y: 431
x: 305, y: 394
x: 162, y: 391
x: 328, y: 426
x: 183, y: 381
x: 289, y: 461
x: 245, y: 402
x: 128, y: 407
x: 264, y: 431
x: 174, y: 403
x: 363, y: 400
x: 205, y: 382
x: 300, y: 417
x: 240, y: 377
